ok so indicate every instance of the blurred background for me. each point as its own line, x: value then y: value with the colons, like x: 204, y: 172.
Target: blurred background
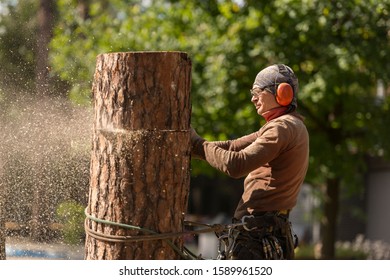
x: 338, y: 49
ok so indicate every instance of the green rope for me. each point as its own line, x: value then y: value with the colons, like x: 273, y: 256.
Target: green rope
x: 152, y: 234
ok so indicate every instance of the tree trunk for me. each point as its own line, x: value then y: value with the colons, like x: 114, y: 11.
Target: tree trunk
x: 39, y: 222
x: 2, y: 223
x: 46, y: 15
x: 329, y: 221
x: 83, y: 9
x: 141, y: 152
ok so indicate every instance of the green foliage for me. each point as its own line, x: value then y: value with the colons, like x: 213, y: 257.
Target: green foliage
x: 71, y: 214
x: 18, y: 43
x: 337, y: 48
x: 338, y: 52
x: 181, y: 25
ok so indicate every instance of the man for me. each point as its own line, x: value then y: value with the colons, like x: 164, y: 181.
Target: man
x: 274, y: 161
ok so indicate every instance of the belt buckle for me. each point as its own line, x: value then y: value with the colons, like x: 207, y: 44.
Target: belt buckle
x: 244, y: 223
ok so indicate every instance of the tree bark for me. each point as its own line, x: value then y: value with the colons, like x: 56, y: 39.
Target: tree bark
x: 141, y: 152
x: 46, y: 16
x: 329, y: 220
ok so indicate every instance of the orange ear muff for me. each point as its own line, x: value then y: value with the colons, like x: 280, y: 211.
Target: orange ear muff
x: 284, y: 94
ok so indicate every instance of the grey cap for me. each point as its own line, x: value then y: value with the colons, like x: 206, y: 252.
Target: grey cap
x: 270, y: 77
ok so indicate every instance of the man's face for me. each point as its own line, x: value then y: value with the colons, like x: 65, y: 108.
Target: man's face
x: 263, y: 100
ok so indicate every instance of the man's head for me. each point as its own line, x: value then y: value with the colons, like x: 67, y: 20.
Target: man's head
x: 280, y: 80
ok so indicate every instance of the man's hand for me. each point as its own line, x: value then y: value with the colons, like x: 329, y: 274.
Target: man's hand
x: 195, y: 137
x: 197, y: 150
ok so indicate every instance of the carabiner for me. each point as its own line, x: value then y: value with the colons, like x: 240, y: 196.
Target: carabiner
x: 244, y: 223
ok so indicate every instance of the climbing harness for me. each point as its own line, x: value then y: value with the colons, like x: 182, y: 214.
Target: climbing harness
x: 266, y: 236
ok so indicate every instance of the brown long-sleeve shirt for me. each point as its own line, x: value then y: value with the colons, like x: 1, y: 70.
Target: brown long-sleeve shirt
x: 273, y: 159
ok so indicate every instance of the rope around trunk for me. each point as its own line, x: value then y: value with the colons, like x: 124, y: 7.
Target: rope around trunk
x: 151, y: 235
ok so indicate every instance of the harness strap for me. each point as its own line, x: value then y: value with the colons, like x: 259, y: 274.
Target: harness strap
x: 256, y: 228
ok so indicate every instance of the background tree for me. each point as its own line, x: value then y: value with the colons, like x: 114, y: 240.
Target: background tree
x: 17, y: 44
x: 2, y: 221
x: 45, y: 22
x: 337, y: 48
x: 46, y: 19
x: 16, y: 70
x: 339, y: 52
x: 43, y: 152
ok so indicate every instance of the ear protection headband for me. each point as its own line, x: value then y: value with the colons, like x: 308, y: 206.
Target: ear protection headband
x: 284, y: 93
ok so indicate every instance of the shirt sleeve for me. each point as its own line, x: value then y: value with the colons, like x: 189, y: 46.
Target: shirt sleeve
x: 248, y: 153
x: 237, y: 144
